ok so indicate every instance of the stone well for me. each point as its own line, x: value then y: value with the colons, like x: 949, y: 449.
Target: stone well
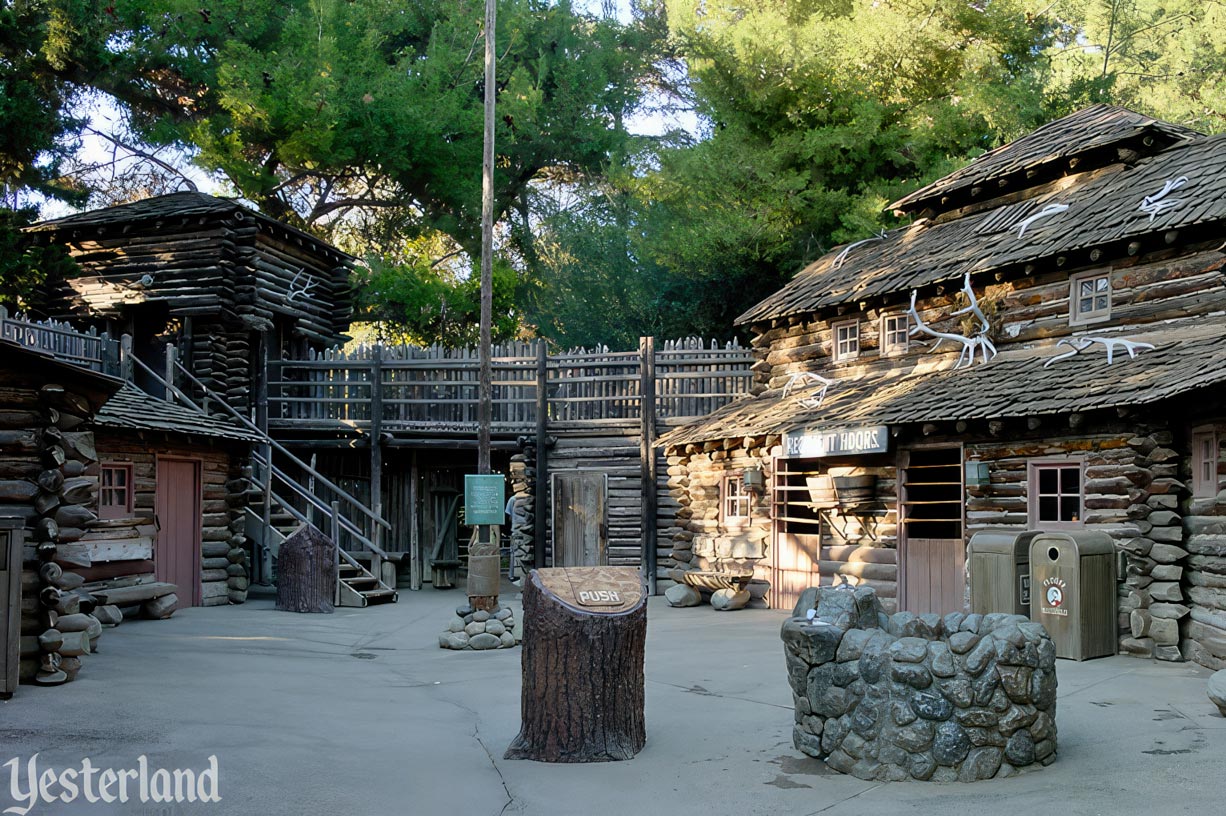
x: 904, y: 696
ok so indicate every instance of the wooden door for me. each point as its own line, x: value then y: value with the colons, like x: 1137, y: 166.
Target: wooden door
x: 931, y: 546
x: 580, y: 519
x: 796, y: 554
x: 177, y: 558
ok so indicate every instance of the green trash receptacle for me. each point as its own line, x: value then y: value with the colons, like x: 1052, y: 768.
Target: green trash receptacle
x: 1000, y: 571
x: 1072, y: 578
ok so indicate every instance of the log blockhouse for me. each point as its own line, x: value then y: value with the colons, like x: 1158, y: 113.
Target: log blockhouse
x: 1089, y: 255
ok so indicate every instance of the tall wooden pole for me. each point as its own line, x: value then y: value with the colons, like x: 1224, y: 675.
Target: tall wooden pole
x: 483, y: 562
x: 485, y: 387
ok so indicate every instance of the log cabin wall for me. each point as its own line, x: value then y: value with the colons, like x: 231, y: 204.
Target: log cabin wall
x: 206, y: 274
x: 47, y: 478
x: 1171, y: 283
x: 1204, y: 525
x: 122, y: 550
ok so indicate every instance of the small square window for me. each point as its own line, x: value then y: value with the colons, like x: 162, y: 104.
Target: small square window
x: 115, y: 491
x: 1205, y: 458
x: 895, y: 334
x: 1090, y: 298
x: 1056, y: 494
x: 737, y: 504
x: 846, y: 340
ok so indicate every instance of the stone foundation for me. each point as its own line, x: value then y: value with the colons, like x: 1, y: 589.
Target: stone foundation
x: 896, y: 697
x: 480, y: 630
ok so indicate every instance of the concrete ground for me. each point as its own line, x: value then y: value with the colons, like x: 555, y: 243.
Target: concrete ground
x: 361, y: 713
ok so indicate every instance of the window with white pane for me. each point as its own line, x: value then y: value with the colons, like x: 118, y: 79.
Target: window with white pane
x: 1090, y: 297
x: 846, y: 340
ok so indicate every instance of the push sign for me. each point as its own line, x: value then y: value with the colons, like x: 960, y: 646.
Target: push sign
x: 599, y: 597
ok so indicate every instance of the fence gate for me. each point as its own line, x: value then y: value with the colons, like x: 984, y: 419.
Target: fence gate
x: 580, y: 518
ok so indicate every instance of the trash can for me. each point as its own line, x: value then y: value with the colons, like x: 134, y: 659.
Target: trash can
x: 1072, y: 578
x: 1000, y: 571
x: 10, y: 604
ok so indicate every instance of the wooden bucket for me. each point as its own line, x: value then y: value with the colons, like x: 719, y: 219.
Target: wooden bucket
x: 821, y: 491
x: 855, y: 490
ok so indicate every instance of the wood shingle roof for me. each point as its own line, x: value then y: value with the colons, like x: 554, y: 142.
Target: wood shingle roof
x: 133, y: 410
x: 1103, y: 208
x: 1187, y: 355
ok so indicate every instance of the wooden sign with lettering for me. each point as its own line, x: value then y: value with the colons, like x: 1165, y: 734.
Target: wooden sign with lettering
x: 594, y: 589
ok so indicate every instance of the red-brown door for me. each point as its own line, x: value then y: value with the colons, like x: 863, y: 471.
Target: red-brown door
x: 177, y: 559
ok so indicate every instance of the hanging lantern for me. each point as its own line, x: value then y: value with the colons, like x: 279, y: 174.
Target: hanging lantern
x: 977, y: 473
x: 754, y: 480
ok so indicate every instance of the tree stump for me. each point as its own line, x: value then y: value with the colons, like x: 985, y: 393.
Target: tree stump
x: 307, y: 570
x: 584, y: 633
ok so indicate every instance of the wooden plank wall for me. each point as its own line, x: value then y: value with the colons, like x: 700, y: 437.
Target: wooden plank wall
x: 221, y: 523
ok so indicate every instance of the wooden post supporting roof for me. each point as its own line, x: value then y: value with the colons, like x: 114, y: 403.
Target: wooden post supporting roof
x: 647, y: 458
x: 539, y: 498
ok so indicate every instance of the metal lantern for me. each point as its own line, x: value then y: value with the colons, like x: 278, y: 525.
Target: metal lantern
x: 977, y: 473
x: 754, y: 480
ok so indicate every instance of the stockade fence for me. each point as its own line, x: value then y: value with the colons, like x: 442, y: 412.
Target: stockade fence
x: 97, y: 352
x: 435, y: 389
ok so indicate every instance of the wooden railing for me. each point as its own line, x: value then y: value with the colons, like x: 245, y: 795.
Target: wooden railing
x: 60, y: 340
x: 436, y: 389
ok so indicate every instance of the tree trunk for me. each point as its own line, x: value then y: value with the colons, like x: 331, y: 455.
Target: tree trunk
x: 582, y: 697
x: 307, y: 572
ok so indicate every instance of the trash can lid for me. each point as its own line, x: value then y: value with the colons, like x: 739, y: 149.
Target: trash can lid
x: 1003, y: 541
x: 1087, y: 542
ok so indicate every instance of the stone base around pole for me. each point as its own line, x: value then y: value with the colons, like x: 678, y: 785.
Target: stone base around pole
x: 480, y: 629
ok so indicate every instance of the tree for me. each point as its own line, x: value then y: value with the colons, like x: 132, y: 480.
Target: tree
x: 820, y: 112
x: 26, y: 265
x: 1162, y: 57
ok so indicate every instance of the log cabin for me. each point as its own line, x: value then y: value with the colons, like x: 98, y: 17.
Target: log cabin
x: 1041, y: 347
x: 131, y: 505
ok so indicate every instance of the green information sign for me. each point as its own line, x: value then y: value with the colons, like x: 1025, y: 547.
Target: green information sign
x: 484, y: 499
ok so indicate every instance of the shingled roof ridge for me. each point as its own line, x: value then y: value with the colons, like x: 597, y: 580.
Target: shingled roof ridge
x: 1092, y: 128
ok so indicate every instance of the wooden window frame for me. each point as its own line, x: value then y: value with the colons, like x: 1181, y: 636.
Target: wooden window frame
x: 1033, y: 467
x: 1205, y: 486
x: 732, y: 490
x: 889, y: 349
x: 835, y: 353
x: 1075, y: 316
x: 111, y: 510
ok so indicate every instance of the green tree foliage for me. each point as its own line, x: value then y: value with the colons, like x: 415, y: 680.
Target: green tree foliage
x: 48, y: 50
x: 1166, y: 58
x: 25, y: 265
x: 822, y: 111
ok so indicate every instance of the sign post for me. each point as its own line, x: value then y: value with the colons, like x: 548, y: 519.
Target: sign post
x: 484, y: 509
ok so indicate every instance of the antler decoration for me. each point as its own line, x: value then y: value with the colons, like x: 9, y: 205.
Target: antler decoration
x: 978, y: 342
x: 1158, y: 203
x: 803, y: 379
x: 296, y: 291
x: 1080, y: 344
x: 1049, y: 210
x: 842, y: 256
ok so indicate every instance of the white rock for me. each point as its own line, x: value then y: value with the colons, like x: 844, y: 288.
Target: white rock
x: 727, y: 600
x: 682, y: 595
x: 1217, y: 690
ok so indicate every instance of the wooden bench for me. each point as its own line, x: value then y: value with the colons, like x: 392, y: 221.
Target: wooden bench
x: 713, y: 580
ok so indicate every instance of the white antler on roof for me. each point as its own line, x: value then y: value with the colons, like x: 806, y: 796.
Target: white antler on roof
x: 1080, y: 344
x: 804, y: 379
x: 1158, y: 203
x: 295, y: 290
x: 978, y: 342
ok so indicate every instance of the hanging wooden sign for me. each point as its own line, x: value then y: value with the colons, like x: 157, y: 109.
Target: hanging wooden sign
x: 817, y: 443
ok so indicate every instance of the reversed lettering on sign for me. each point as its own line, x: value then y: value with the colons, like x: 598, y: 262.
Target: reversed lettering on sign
x: 599, y: 597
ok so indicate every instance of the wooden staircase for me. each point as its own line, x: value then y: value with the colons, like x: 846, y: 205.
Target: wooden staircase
x: 356, y: 532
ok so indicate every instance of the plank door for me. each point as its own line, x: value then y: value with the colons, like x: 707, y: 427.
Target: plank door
x: 931, y: 546
x: 795, y: 556
x: 580, y: 519
x: 178, y: 505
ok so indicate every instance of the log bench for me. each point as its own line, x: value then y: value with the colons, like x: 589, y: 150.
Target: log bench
x: 715, y: 580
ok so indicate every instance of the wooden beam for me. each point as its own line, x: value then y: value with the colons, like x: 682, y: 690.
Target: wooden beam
x: 647, y: 458
x: 540, y: 498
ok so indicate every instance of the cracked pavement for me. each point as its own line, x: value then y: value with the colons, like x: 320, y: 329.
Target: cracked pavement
x: 360, y: 712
